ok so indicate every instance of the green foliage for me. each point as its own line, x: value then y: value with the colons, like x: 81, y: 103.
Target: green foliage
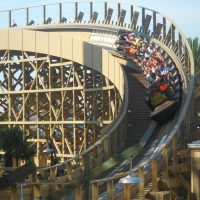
x: 195, y: 46
x: 13, y: 142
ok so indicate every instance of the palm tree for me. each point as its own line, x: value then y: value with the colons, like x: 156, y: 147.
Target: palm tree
x: 195, y: 46
x: 14, y: 143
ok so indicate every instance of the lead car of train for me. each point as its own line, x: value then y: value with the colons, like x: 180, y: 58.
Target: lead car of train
x: 163, y: 81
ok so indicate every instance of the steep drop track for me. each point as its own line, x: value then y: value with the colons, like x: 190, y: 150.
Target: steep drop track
x: 138, y: 111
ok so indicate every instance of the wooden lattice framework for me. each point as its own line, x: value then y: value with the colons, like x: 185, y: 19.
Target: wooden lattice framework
x: 51, y: 97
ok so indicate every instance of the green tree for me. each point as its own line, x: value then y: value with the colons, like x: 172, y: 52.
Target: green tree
x: 195, y: 46
x: 14, y: 143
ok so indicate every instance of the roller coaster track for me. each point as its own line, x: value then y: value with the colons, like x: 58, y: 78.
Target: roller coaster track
x: 90, y: 42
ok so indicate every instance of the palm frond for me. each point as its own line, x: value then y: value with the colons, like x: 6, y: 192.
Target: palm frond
x: 195, y: 46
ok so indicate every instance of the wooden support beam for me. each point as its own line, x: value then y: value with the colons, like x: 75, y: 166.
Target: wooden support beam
x: 95, y: 191
x: 36, y: 191
x: 154, y: 172
x: 36, y: 187
x: 154, y: 21
x: 69, y: 171
x: 60, y: 12
x: 143, y: 16
x: 195, y: 172
x: 180, y: 46
x: 105, y: 10
x: 9, y: 18
x: 91, y: 11
x: 173, y: 34
x: 78, y: 193
x: 53, y: 172
x: 165, y: 162
x: 27, y: 16
x: 76, y: 11
x: 134, y: 20
x: 127, y: 191
x: 141, y: 184
x: 146, y: 23
x: 13, y: 192
x: 119, y: 9
x: 110, y: 191
x: 164, y: 28
x: 44, y: 14
x: 132, y: 9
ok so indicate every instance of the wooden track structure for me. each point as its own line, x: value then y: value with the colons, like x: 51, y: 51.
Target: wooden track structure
x: 60, y: 80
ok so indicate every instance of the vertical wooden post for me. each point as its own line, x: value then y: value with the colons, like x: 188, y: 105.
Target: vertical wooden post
x: 44, y: 14
x: 195, y: 172
x: 165, y: 163
x: 132, y: 10
x: 13, y: 192
x: 154, y: 22
x: 76, y: 11
x: 78, y: 193
x: 105, y: 10
x: 119, y: 9
x: 180, y: 46
x: 36, y: 187
x: 27, y: 16
x: 143, y: 16
x: 60, y: 12
x: 9, y: 18
x: 53, y: 172
x: 127, y: 191
x: 173, y: 34
x: 36, y: 191
x: 164, y: 28
x: 141, y: 184
x: 69, y: 171
x: 110, y: 195
x: 154, y: 171
x: 91, y: 10
x: 95, y: 191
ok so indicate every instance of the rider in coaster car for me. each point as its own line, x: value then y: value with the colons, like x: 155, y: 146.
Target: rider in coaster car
x: 132, y: 39
x: 148, y: 52
x: 149, y: 76
x: 164, y: 71
x: 131, y: 51
x: 159, y: 57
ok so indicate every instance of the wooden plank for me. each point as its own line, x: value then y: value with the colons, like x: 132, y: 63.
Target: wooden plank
x: 110, y: 191
x: 78, y: 193
x: 141, y: 184
x: 95, y: 191
x: 146, y: 24
x: 158, y: 30
x: 127, y: 191
x: 165, y: 162
x: 23, y: 60
x: 134, y: 20
x: 154, y: 171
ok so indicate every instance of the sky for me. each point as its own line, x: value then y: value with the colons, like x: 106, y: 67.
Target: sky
x: 186, y: 13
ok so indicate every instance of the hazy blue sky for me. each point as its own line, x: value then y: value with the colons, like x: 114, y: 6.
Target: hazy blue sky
x: 186, y: 13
